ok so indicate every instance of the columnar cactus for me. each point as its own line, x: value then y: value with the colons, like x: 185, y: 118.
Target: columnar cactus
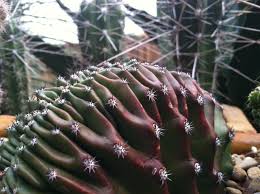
x: 20, y: 71
x: 128, y: 128
x: 254, y: 106
x: 198, y: 35
x: 13, y: 71
x: 100, y: 28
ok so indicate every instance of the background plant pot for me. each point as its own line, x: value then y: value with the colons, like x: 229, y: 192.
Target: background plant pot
x: 243, y: 142
x: 237, y: 120
x: 5, y: 121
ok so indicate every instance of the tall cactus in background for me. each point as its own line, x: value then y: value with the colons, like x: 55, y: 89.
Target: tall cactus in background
x: 14, y: 75
x: 128, y: 128
x: 199, y: 35
x: 20, y: 72
x: 100, y: 27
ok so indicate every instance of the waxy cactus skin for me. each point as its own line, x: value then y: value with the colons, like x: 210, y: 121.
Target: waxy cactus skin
x: 128, y: 128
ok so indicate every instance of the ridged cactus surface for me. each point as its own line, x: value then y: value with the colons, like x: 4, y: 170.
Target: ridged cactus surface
x: 128, y: 128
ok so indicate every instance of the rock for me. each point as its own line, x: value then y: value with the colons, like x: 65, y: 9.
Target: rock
x: 248, y: 162
x: 233, y: 184
x: 236, y: 119
x: 237, y: 159
x: 253, y: 173
x: 243, y: 142
x: 231, y: 190
x: 5, y: 121
x: 239, y: 174
x: 254, y: 185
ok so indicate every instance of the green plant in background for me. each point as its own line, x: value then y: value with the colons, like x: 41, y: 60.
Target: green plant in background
x: 198, y: 35
x: 254, y: 106
x: 20, y: 72
x: 128, y: 128
x: 100, y: 28
x: 14, y: 76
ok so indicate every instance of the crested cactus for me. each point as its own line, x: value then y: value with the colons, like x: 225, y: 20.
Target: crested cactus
x: 128, y: 128
x: 198, y: 35
x: 254, y: 106
x: 100, y: 27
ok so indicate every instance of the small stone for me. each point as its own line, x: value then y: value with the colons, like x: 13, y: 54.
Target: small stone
x: 253, y: 173
x: 233, y: 184
x: 254, y: 186
x: 248, y: 162
x: 239, y: 174
x: 231, y: 190
x: 236, y: 159
x: 254, y: 149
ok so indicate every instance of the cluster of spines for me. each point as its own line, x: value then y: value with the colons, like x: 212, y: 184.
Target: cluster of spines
x: 47, y: 98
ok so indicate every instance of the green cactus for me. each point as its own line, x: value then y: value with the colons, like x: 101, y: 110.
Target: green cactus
x: 128, y: 128
x: 14, y: 74
x: 254, y: 106
x: 20, y: 71
x: 100, y: 27
x: 198, y: 35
